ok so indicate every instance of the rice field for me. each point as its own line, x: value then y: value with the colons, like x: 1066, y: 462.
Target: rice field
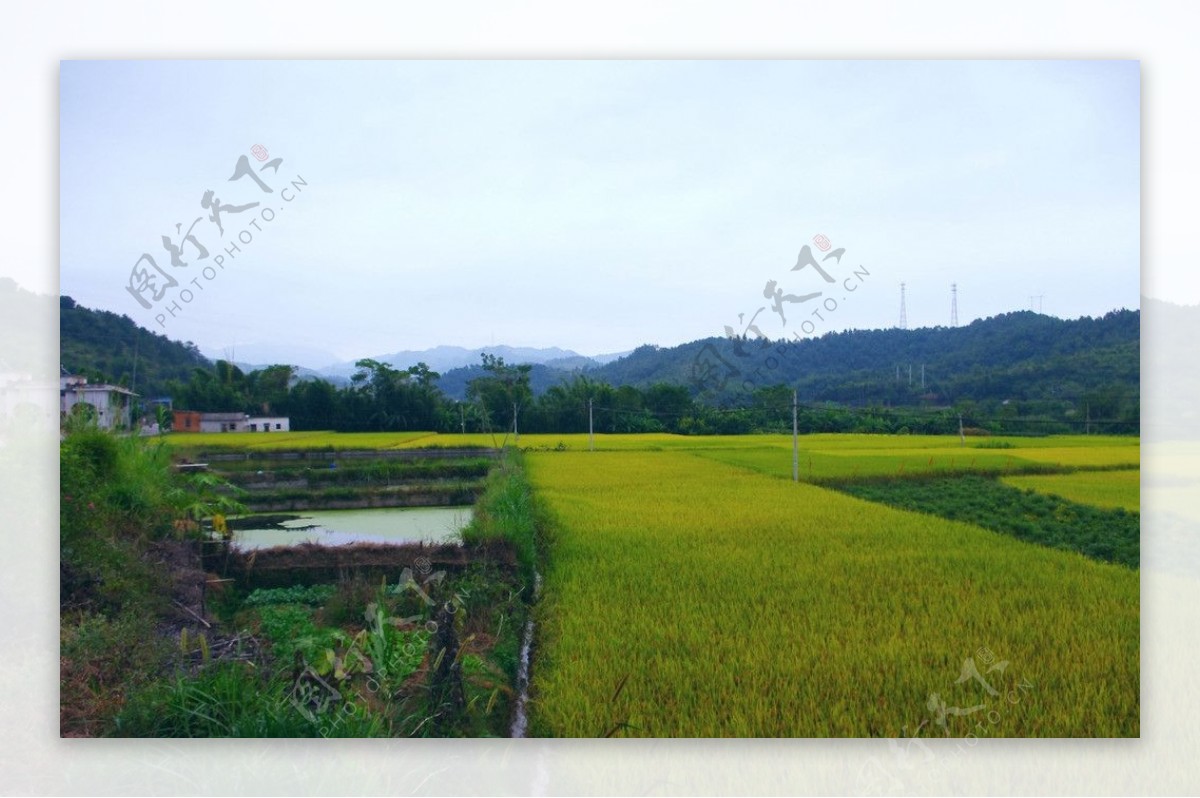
x: 321, y: 439
x: 1070, y: 450
x: 689, y: 597
x: 1097, y: 488
x: 692, y: 590
x: 823, y: 465
x: 1088, y: 457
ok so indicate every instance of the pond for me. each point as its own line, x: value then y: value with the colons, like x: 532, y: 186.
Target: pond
x: 338, y: 527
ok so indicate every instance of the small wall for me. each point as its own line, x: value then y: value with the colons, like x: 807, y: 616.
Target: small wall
x: 311, y: 563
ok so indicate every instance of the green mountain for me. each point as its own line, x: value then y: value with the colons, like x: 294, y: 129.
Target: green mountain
x: 1086, y: 366
x: 1028, y: 365
x: 106, y: 347
x: 1021, y: 356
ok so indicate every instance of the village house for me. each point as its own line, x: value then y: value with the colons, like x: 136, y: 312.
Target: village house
x: 194, y: 421
x: 110, y: 403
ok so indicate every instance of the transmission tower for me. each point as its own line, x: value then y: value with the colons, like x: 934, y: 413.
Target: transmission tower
x: 953, y: 304
x: 903, y: 310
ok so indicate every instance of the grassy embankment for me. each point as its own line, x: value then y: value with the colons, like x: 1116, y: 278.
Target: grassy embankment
x: 421, y: 654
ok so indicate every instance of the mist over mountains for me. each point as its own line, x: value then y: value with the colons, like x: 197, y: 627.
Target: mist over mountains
x: 315, y: 363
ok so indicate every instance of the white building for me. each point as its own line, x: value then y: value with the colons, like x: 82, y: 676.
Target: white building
x: 222, y: 422
x: 111, y: 403
x: 192, y: 421
x: 267, y: 424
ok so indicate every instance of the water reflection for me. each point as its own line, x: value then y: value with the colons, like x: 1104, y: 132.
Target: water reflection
x: 338, y: 527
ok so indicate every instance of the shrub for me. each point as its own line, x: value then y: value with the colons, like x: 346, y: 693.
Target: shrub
x: 507, y: 511
x: 230, y: 699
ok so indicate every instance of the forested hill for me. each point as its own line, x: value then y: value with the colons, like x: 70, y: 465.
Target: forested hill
x: 1052, y: 367
x: 102, y: 346
x: 1016, y: 356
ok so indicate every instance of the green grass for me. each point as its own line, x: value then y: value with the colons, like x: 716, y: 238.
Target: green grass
x: 506, y: 511
x: 232, y: 699
x: 312, y: 595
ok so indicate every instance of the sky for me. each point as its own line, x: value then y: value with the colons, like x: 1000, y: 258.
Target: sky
x: 592, y: 205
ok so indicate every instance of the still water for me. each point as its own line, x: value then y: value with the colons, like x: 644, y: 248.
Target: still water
x: 381, y: 525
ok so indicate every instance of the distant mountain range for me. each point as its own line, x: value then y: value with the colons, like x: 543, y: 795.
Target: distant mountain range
x: 315, y: 363
x: 261, y: 355
x: 447, y: 358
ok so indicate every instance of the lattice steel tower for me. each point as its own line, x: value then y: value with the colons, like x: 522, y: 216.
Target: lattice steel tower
x: 903, y: 310
x: 953, y: 304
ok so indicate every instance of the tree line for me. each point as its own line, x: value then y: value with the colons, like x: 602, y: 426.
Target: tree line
x: 1018, y: 372
x: 382, y: 398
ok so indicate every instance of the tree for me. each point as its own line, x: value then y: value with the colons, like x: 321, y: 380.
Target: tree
x: 564, y: 407
x: 314, y: 405
x: 268, y: 388
x: 380, y: 384
x: 503, y: 392
x: 384, y: 398
x: 672, y: 404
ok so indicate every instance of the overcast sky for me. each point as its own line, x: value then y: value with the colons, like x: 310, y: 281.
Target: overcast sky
x: 596, y: 205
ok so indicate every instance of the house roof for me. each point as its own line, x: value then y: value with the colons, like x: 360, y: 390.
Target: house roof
x: 98, y: 388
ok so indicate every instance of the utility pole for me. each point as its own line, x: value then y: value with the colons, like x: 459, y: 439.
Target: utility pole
x: 962, y: 436
x: 591, y: 436
x: 795, y: 438
x: 910, y: 375
x: 516, y: 435
x: 922, y: 376
x: 133, y: 381
x: 462, y: 418
x: 1087, y: 428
